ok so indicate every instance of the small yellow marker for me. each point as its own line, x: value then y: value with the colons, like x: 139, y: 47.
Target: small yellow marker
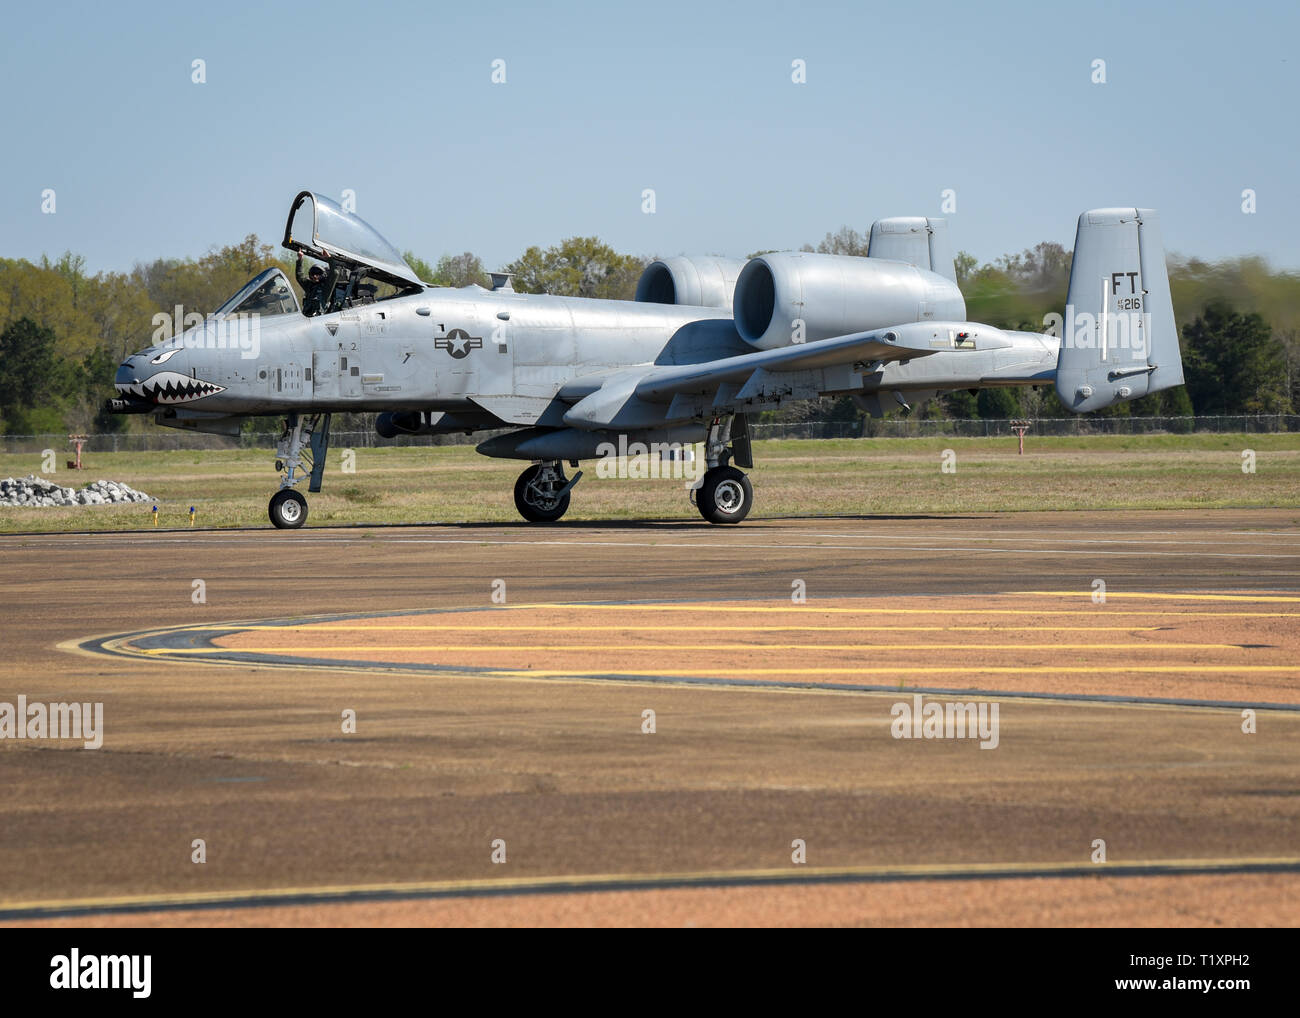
x: 155, y: 516
x: 191, y: 516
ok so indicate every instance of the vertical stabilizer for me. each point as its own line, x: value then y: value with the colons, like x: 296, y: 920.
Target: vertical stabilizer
x: 916, y: 240
x: 1118, y: 338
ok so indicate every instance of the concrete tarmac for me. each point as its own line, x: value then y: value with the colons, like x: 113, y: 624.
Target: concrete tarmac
x: 500, y: 679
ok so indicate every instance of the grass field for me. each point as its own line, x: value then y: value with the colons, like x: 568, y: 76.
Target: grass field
x: 452, y: 484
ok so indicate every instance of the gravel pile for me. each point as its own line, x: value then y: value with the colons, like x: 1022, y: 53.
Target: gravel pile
x: 36, y: 491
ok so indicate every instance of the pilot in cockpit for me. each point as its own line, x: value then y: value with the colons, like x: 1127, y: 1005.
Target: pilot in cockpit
x: 313, y: 288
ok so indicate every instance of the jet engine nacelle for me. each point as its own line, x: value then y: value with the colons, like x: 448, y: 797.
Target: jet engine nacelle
x: 693, y: 282
x: 796, y: 296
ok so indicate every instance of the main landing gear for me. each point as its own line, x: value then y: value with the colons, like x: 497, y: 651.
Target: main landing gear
x: 724, y: 494
x: 303, y: 443
x: 542, y: 492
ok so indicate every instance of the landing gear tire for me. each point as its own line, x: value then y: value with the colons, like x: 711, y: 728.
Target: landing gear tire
x: 288, y: 509
x: 725, y: 496
x: 535, y: 494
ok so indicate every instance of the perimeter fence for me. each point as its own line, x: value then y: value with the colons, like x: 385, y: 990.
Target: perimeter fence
x: 156, y: 439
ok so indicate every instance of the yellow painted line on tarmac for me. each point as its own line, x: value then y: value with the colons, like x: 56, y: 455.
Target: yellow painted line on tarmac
x: 323, y: 627
x: 198, y: 653
x: 1165, y: 597
x: 635, y: 647
x: 650, y: 882
x: 967, y: 669
x: 689, y: 680
x: 947, y: 608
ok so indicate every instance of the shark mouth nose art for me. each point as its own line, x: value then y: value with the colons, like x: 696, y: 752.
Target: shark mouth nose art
x: 167, y: 387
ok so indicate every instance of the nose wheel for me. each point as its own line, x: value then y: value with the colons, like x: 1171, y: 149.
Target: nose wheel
x: 288, y: 509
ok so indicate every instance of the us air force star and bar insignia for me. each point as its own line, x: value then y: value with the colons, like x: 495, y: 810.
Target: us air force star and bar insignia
x: 458, y: 343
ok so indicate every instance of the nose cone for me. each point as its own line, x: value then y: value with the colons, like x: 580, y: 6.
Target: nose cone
x: 127, y: 375
x: 162, y: 377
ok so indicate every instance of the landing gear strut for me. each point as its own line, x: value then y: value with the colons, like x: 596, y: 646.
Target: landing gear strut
x: 542, y: 492
x: 725, y: 494
x: 303, y: 442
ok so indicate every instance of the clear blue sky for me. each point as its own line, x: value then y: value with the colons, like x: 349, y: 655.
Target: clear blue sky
x: 694, y: 100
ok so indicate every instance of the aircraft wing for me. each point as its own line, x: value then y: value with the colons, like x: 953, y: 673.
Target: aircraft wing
x: 784, y: 372
x: 880, y: 346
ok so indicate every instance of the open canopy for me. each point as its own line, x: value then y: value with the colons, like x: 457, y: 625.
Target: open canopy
x: 321, y: 228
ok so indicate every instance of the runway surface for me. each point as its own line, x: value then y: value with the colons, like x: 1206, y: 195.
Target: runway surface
x: 653, y: 723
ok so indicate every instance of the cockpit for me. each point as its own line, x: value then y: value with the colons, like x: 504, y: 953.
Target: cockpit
x: 360, y: 266
x: 267, y: 293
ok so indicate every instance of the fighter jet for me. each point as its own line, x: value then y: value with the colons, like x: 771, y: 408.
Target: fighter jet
x: 707, y: 343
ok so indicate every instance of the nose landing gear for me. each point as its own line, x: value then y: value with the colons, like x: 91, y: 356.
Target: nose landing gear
x: 288, y: 509
x: 304, y: 441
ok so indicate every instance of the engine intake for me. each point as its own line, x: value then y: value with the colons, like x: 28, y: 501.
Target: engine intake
x: 702, y: 282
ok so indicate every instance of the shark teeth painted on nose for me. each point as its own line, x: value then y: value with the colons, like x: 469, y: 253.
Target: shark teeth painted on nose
x: 168, y: 387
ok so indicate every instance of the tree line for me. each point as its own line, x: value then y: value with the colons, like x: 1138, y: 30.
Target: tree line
x: 64, y: 330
